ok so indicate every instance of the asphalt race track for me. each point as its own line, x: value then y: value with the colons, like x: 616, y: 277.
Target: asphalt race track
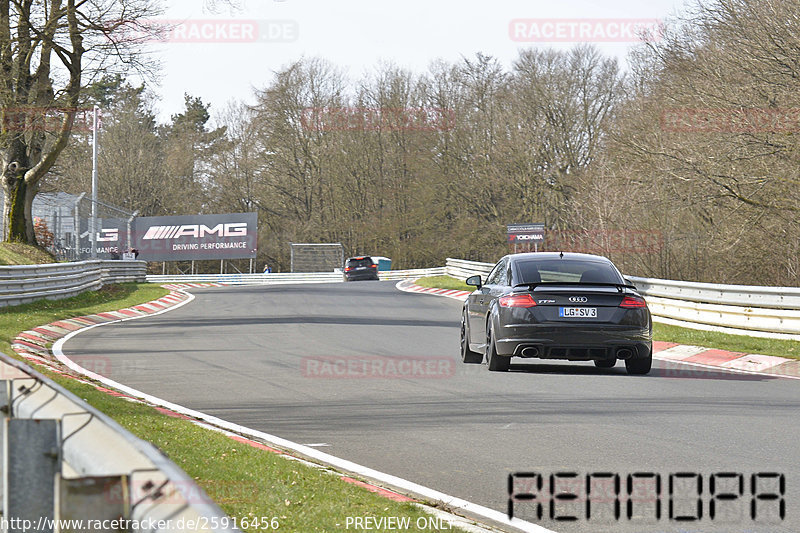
x: 374, y: 374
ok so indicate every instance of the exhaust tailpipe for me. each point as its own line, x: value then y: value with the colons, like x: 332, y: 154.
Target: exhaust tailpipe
x: 530, y: 351
x: 624, y: 353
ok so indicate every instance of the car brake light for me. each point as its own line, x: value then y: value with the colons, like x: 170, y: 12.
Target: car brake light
x: 517, y: 300
x: 633, y: 302
x: 347, y: 269
x: 373, y: 266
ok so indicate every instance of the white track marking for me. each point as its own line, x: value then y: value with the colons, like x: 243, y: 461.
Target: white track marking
x: 726, y: 369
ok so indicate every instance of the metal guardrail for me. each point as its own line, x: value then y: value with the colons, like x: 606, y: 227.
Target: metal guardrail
x: 756, y: 319
x: 287, y: 277
x: 27, y: 283
x: 461, y: 268
x: 249, y: 279
x: 411, y: 273
x: 742, y: 307
x: 741, y: 295
x: 739, y: 307
x: 67, y: 460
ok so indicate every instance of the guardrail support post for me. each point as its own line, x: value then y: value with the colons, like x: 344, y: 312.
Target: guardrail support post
x: 92, y: 498
x: 31, y: 460
x: 4, y: 410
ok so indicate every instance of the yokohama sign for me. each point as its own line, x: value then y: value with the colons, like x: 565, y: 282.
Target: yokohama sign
x: 530, y: 233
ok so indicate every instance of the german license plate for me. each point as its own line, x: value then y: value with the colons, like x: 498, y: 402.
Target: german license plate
x: 577, y: 312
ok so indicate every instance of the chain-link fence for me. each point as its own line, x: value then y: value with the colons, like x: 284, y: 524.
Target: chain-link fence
x: 63, y: 226
x: 317, y: 257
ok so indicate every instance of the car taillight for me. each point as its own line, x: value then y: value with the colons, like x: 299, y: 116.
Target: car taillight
x: 373, y: 266
x: 517, y: 300
x: 633, y: 302
x: 347, y: 269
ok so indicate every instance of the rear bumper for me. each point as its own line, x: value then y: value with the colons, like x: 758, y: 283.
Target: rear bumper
x: 575, y: 343
x: 363, y: 275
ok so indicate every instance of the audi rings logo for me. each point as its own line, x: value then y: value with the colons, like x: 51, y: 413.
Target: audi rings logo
x: 578, y: 299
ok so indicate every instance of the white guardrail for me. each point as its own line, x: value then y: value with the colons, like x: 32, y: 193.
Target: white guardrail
x: 744, y: 308
x: 287, y: 277
x: 28, y: 283
x: 65, y: 460
x: 740, y: 307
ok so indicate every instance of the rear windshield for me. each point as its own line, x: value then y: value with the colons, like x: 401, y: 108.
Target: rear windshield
x: 570, y: 271
x: 364, y: 261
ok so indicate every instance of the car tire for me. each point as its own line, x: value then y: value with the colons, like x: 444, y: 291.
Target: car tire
x: 639, y: 366
x: 497, y: 363
x: 467, y: 355
x: 605, y: 363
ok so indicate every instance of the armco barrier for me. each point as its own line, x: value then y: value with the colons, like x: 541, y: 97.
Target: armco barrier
x: 739, y: 307
x: 28, y: 283
x: 287, y: 277
x: 775, y: 310
x: 739, y: 295
x: 461, y: 268
x: 249, y: 279
x: 66, y: 460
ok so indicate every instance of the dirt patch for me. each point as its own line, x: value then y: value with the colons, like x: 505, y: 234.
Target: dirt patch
x: 14, y: 253
x: 112, y: 291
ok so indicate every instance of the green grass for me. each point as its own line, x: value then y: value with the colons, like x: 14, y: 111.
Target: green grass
x: 18, y: 318
x: 726, y: 341
x: 246, y: 482
x: 12, y: 253
x: 444, y: 282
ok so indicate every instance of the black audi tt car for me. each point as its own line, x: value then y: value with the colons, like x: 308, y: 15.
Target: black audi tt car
x: 552, y: 305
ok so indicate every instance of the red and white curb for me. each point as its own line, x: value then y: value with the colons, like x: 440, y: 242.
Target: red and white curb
x: 182, y: 286
x: 409, y: 285
x: 739, y: 362
x: 699, y: 356
x: 32, y: 345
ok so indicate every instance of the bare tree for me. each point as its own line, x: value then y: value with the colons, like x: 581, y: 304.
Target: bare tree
x: 49, y: 50
x: 710, y: 133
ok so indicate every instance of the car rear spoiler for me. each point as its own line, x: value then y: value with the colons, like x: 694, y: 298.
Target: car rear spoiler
x: 620, y: 286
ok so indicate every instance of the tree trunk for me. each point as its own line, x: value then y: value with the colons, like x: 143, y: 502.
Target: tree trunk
x: 18, y: 200
x: 17, y: 209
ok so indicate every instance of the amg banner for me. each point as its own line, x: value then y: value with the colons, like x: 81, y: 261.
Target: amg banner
x: 112, y: 238
x: 195, y: 237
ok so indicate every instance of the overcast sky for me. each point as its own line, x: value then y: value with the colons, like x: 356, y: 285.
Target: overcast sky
x: 221, y: 54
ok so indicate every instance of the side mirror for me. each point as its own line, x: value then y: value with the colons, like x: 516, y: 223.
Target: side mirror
x: 475, y: 281
x: 629, y: 282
